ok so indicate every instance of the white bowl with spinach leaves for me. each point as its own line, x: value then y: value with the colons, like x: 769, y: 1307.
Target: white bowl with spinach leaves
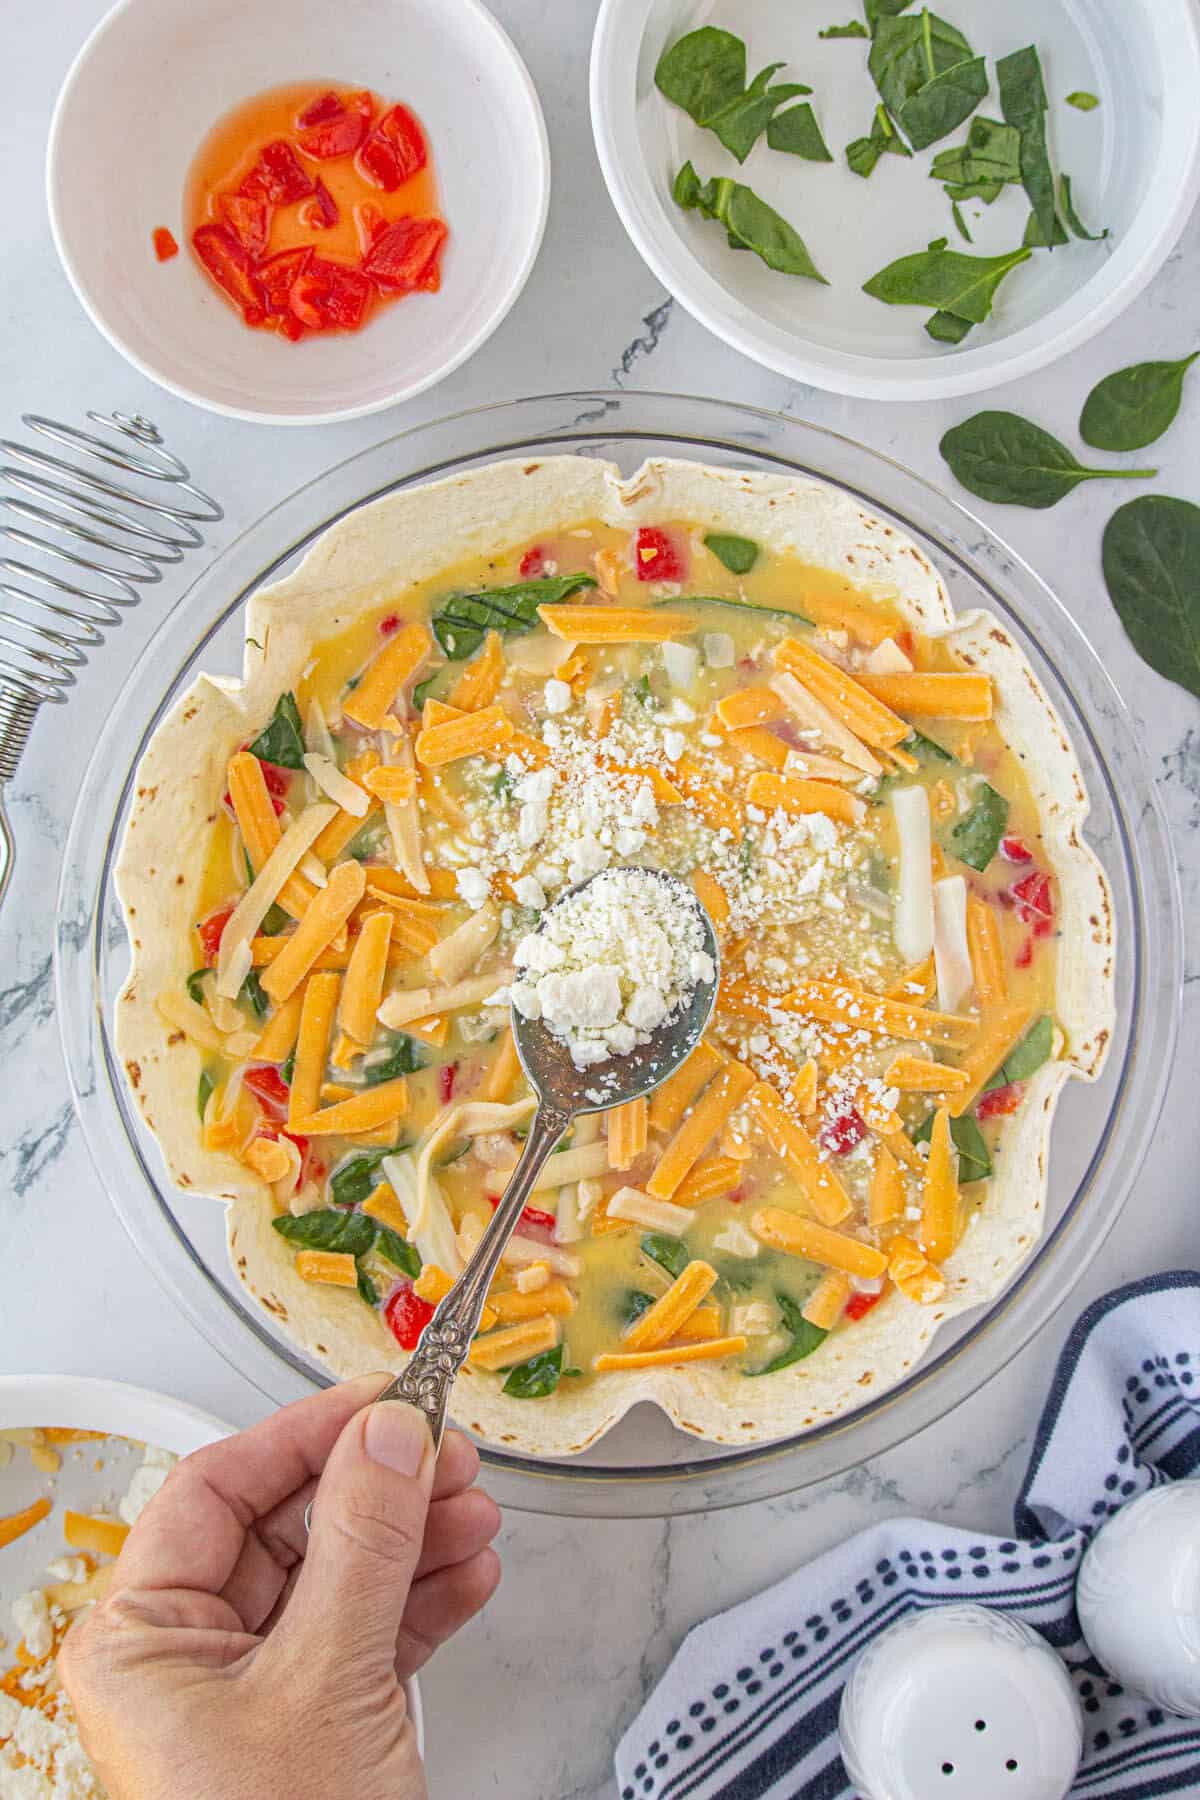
x: 891, y: 202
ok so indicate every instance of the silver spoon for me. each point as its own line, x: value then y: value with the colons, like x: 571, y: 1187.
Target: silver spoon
x: 563, y: 1091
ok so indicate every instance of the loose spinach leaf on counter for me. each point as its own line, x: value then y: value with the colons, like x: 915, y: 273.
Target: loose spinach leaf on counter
x: 195, y: 984
x: 749, y: 222
x: 854, y: 29
x: 805, y: 1337
x: 1077, y: 227
x: 991, y: 157
x: 204, y: 1089
x: 534, y: 1379
x: 1023, y: 104
x: 405, y: 1058
x: 1134, y: 406
x: 1002, y: 457
x: 462, y: 621
x: 705, y: 74
x: 928, y: 77
x: 282, y: 741
x: 974, y: 1158
x: 670, y: 1253
x: 366, y: 1288
x: 739, y: 554
x: 1032, y: 1051
x: 396, y: 1250
x: 946, y: 279
x: 948, y: 328
x: 797, y: 132
x: 351, y: 1233
x: 1082, y: 101
x: 976, y: 837
x: 251, y: 990
x: 863, y: 154
x: 353, y: 1182
x: 1151, y: 560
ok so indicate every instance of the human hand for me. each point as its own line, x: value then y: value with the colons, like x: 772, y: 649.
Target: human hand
x: 235, y: 1656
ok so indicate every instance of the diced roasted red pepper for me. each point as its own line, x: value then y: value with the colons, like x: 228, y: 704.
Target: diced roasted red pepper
x: 325, y: 106
x: 165, y: 246
x: 1033, y: 897
x: 329, y: 295
x: 402, y: 256
x: 395, y: 150
x: 446, y: 1079
x: 999, y: 1101
x: 277, y: 275
x: 209, y: 932
x: 279, y: 175
x: 840, y: 1134
x: 406, y: 1315
x: 231, y: 267
x: 533, y: 562
x: 859, y: 1305
x: 535, y: 1223
x: 390, y: 624
x: 267, y: 1084
x: 370, y: 224
x: 248, y: 216
x: 1013, y: 850
x: 322, y: 210
x: 337, y: 134
x: 1024, y: 953
x: 656, y: 555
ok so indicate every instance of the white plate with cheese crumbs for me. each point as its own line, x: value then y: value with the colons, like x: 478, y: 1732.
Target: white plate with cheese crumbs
x: 794, y: 1325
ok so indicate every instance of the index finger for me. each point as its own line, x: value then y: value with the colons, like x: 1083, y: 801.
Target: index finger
x: 192, y: 1532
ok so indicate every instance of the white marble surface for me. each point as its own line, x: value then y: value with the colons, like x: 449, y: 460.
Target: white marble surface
x: 589, y: 1612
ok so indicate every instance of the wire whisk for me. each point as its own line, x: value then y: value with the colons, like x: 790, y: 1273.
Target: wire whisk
x: 85, y: 542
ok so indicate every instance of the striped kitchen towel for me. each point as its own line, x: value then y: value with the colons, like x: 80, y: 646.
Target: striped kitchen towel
x: 748, y: 1709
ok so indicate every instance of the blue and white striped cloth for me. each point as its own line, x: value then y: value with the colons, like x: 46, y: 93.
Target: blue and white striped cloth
x: 748, y: 1709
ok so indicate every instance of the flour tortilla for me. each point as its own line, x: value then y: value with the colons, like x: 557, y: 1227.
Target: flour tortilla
x: 370, y: 559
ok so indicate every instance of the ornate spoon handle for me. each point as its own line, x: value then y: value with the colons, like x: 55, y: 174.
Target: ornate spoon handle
x: 429, y: 1375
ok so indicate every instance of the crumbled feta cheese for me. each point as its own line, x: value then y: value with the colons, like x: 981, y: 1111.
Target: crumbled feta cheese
x: 529, y: 892
x: 674, y: 744
x: 736, y: 1239
x: 31, y: 1617
x: 557, y: 695
x: 473, y: 886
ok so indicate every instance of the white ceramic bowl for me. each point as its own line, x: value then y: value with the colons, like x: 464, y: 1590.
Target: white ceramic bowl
x: 145, y: 90
x: 1135, y: 164
x: 120, y: 1411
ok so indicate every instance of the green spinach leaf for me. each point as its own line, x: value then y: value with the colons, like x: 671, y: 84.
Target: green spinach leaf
x: 961, y: 225
x: 863, y: 154
x: 1007, y: 459
x: 1077, y: 227
x: 1032, y: 1051
x: 749, y: 222
x: 943, y: 103
x: 805, y: 1337
x: 1134, y: 406
x: 927, y: 75
x: 797, y: 132
x: 703, y: 72
x: 366, y: 1288
x: 351, y: 1233
x: 204, y: 1089
x: 396, y: 1250
x: 354, y: 1181
x: 1151, y: 559
x: 991, y: 154
x: 976, y: 837
x: 854, y: 29
x: 274, y: 922
x: 754, y: 606
x: 974, y: 1157
x: 195, y: 984
x: 462, y: 621
x: 946, y: 279
x: 287, y: 1068
x: 670, y: 1253
x: 1023, y: 104
x: 1034, y: 238
x: 948, y: 328
x: 534, y: 1379
x: 926, y: 749
x: 1082, y: 101
x: 282, y: 742
x: 633, y: 1304
x: 405, y: 1058
x: 251, y: 991
x: 739, y: 554
x: 741, y: 123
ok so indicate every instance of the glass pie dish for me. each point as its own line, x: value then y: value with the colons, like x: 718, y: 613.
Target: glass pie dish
x: 644, y: 1466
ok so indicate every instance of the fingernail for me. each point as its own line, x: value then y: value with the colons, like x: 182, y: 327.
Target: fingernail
x: 398, y: 1437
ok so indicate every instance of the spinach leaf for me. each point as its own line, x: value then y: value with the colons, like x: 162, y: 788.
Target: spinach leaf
x: 366, y: 1289
x: 974, y: 1157
x: 195, y: 984
x: 1023, y: 104
x: 461, y: 622
x: 855, y: 29
x: 925, y: 749
x: 349, y: 1232
x: 670, y: 1253
x: 633, y: 1304
x: 204, y: 1088
x: 754, y: 606
x: 287, y: 1068
x: 976, y: 837
x: 251, y: 990
x: 405, y: 1059
x: 805, y: 1337
x: 1002, y: 457
x: 703, y: 72
x: 396, y: 1250
x: 534, y: 1379
x: 961, y: 224
x: 1151, y: 559
x: 643, y: 693
x: 1035, y: 239
x: 355, y: 1179
x: 947, y: 327
x: 1134, y: 406
x: 863, y: 154
x: 421, y: 689
x: 1074, y: 222
x: 739, y: 554
x: 992, y: 153
x: 797, y: 132
x: 749, y: 222
x: 1032, y: 1051
x: 740, y: 124
x: 927, y: 75
x: 987, y: 191
x: 282, y: 742
x: 883, y: 9
x: 274, y: 922
x: 1083, y: 101
x: 945, y: 279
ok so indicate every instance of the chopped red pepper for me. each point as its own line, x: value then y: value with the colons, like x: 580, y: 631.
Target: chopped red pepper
x: 1033, y: 897
x: 165, y: 246
x: 841, y: 1133
x: 277, y: 275
x: 209, y: 932
x: 656, y: 555
x: 535, y: 1223
x: 403, y: 256
x: 1013, y: 850
x: 395, y: 150
x: 446, y: 1078
x: 322, y: 210
x: 248, y: 216
x: 533, y: 563
x: 267, y: 1084
x: 325, y: 106
x: 339, y: 134
x: 1024, y: 953
x: 859, y: 1305
x: 999, y: 1101
x: 279, y: 175
x: 370, y: 224
x: 330, y: 296
x: 406, y: 1315
x: 390, y: 624
x: 231, y: 267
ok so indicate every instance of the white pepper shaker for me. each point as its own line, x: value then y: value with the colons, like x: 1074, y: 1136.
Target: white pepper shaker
x: 959, y: 1703
x: 1138, y: 1596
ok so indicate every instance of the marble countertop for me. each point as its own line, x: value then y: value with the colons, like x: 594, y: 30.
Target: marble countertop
x: 543, y: 1718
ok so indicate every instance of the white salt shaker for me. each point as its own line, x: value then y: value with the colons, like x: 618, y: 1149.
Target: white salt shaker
x: 964, y: 1704
x: 1138, y: 1596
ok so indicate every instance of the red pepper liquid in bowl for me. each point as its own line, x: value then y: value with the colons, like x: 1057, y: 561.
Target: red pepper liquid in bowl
x: 311, y: 206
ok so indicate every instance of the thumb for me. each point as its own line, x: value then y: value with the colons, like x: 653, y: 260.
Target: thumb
x: 368, y: 1524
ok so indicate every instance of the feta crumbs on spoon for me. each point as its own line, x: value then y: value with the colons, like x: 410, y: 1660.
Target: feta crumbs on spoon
x: 611, y: 963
